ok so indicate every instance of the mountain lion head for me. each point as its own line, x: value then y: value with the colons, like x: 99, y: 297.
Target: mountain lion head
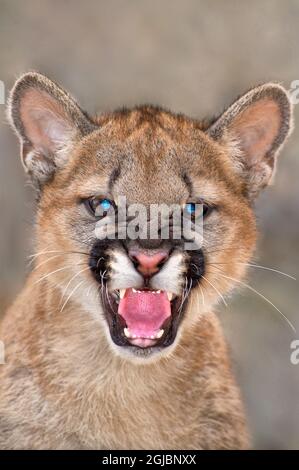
x: 145, y: 290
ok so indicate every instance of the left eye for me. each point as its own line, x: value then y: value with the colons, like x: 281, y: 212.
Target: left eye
x: 105, y: 204
x: 192, y: 207
x: 98, y: 207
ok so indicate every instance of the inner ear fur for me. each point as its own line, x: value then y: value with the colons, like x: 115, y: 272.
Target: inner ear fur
x: 255, y: 127
x: 47, y: 120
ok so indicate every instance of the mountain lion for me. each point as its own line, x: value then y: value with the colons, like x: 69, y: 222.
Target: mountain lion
x: 113, y: 342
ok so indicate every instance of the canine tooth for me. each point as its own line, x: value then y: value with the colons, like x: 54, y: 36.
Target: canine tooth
x: 122, y: 293
x: 159, y: 334
x: 169, y: 295
x: 127, y: 332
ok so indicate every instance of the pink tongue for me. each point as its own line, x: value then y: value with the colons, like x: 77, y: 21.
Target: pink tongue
x: 144, y: 311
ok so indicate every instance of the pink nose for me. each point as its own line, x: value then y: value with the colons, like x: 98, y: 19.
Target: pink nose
x: 148, y: 265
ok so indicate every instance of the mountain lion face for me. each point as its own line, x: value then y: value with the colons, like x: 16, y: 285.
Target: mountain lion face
x: 103, y: 182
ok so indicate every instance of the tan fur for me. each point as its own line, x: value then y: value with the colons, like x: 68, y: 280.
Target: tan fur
x: 64, y: 384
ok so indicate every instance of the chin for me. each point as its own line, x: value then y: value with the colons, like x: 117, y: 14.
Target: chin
x: 143, y: 356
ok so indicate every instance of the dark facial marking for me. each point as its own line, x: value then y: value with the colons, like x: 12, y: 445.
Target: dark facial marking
x: 113, y: 178
x: 196, y: 267
x: 188, y: 183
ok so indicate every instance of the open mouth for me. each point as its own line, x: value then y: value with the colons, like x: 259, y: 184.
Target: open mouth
x: 142, y: 318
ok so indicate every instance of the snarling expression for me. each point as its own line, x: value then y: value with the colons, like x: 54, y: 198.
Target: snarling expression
x: 145, y: 285
x: 145, y: 291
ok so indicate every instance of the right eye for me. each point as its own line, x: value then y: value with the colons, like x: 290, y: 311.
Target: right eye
x: 98, y: 207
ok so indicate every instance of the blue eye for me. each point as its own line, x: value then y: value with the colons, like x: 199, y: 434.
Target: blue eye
x: 190, y: 207
x: 194, y: 209
x: 98, y: 207
x: 105, y: 204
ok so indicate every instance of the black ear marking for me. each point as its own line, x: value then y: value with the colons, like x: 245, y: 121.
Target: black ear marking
x: 47, y: 121
x: 255, y: 127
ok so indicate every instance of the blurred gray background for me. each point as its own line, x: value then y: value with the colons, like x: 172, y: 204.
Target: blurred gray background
x: 195, y: 57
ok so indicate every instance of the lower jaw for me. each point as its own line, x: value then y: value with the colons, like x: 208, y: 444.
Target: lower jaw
x: 142, y: 355
x: 142, y: 346
x: 143, y: 342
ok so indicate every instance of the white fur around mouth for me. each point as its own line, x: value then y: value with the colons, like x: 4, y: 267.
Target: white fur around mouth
x: 129, y: 335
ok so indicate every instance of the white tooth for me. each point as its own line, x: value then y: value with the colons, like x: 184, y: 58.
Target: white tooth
x: 134, y: 336
x: 122, y: 293
x: 169, y: 295
x: 127, y: 332
x: 158, y: 292
x: 152, y: 336
x: 134, y: 290
x: 159, y: 334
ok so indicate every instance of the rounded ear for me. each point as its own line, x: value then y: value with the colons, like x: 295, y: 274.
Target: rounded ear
x: 254, y: 128
x: 47, y: 121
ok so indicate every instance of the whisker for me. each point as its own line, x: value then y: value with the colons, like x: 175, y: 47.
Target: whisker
x: 215, y: 288
x: 202, y: 294
x: 102, y: 274
x: 41, y: 253
x: 270, y: 269
x: 108, y: 298
x: 262, y: 296
x: 257, y: 266
x: 185, y: 295
x: 72, y: 278
x: 49, y: 274
x: 89, y: 290
x: 73, y: 291
x: 59, y: 253
x: 44, y: 262
x: 99, y: 260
